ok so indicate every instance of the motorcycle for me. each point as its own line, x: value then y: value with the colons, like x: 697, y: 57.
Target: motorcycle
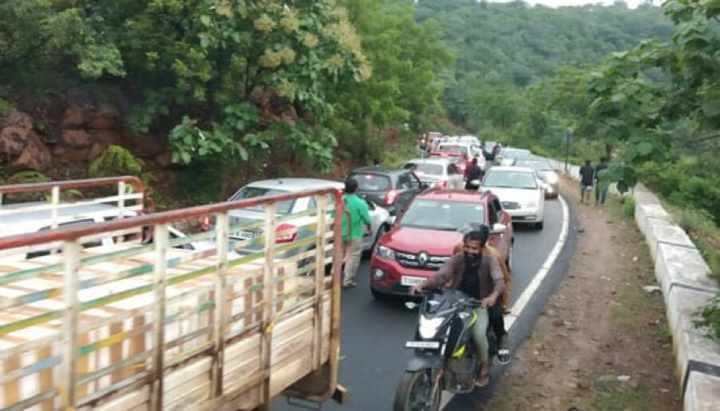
x: 445, y: 355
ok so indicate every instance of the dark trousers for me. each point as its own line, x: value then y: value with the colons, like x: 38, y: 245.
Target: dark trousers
x: 497, y: 321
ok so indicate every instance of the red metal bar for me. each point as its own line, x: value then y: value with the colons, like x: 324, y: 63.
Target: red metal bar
x: 73, y: 233
x: 135, y: 182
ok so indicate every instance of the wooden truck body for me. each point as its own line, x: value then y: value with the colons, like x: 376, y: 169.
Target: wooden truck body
x: 165, y: 325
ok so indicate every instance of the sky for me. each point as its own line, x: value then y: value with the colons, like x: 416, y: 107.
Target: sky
x: 560, y: 3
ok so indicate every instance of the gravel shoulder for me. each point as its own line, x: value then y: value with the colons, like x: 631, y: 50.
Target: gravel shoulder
x: 602, y: 342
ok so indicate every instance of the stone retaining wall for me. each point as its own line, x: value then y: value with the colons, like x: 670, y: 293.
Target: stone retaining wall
x: 683, y: 277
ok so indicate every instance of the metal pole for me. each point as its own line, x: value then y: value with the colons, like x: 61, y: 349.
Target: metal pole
x: 567, y: 149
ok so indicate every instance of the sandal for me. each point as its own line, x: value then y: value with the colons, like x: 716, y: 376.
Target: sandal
x: 482, y: 381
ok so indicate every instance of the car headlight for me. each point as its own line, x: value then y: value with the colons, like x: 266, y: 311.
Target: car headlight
x: 385, y: 252
x: 429, y: 326
x: 552, y: 178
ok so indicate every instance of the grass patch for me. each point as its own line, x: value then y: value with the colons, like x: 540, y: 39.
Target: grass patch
x: 613, y: 395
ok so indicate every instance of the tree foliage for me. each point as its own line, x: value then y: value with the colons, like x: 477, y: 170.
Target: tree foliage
x: 515, y: 45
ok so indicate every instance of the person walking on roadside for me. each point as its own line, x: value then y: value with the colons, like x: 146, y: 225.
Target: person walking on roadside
x: 587, y: 178
x: 355, y: 221
x: 602, y: 183
x: 474, y: 172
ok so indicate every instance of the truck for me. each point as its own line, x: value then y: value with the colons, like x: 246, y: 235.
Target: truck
x: 110, y: 310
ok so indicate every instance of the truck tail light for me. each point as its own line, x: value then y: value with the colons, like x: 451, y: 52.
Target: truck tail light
x: 285, y: 233
x: 390, y: 197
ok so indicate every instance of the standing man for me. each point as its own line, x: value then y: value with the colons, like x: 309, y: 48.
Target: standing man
x: 602, y: 183
x: 355, y: 221
x: 474, y: 172
x: 587, y: 178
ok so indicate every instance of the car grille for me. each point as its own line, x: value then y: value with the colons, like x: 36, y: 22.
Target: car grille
x: 433, y: 262
x: 510, y: 205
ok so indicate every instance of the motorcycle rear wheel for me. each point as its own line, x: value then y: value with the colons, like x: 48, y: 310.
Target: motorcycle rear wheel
x: 417, y: 391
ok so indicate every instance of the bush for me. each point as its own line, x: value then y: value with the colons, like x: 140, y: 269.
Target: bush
x: 629, y: 207
x: 710, y: 318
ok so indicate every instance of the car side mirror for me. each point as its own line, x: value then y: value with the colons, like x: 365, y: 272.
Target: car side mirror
x: 498, y: 228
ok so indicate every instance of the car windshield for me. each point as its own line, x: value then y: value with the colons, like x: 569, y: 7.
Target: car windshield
x: 372, y: 182
x: 428, y: 168
x: 516, y: 154
x: 283, y: 207
x: 537, y: 165
x: 510, y: 179
x: 442, y: 215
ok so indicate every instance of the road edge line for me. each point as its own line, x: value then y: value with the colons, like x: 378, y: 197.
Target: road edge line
x: 522, y: 301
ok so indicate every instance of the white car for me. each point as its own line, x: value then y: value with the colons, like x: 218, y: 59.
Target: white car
x: 508, y: 156
x: 436, y: 172
x: 294, y: 228
x: 520, y: 191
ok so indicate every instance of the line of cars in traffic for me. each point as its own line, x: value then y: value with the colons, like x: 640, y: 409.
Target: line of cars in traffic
x: 418, y: 211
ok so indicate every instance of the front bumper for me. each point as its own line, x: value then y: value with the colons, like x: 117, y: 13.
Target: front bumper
x: 392, y: 272
x: 525, y: 215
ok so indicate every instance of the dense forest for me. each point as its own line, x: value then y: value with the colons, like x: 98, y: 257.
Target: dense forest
x: 514, y: 45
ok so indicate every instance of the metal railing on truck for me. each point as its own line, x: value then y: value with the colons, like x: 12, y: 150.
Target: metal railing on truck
x: 159, y: 326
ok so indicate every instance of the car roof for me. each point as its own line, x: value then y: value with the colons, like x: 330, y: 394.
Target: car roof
x: 378, y: 170
x: 17, y: 221
x: 511, y: 169
x: 453, y: 195
x: 296, y: 184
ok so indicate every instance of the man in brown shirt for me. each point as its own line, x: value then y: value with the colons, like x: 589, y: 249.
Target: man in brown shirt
x: 478, y: 275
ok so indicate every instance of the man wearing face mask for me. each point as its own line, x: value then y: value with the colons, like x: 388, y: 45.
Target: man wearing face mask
x: 478, y: 275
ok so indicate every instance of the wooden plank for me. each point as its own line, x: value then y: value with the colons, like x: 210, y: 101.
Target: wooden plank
x: 71, y: 257
x: 268, y: 305
x: 222, y: 222
x: 319, y: 283
x: 161, y: 243
x: 11, y: 389
x: 45, y: 377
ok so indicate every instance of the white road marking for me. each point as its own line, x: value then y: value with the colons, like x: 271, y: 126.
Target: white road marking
x: 531, y: 289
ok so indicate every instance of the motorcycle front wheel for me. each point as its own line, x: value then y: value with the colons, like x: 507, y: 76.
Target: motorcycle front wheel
x: 417, y: 391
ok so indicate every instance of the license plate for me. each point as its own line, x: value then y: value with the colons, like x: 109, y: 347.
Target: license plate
x: 411, y: 281
x: 422, y: 344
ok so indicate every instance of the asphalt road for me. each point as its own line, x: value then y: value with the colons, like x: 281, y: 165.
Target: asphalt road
x: 374, y: 333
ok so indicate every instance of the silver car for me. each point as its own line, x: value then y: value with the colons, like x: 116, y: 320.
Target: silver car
x: 294, y: 228
x: 436, y: 172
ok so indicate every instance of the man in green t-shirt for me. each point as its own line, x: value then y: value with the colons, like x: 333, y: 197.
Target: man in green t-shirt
x: 355, y: 221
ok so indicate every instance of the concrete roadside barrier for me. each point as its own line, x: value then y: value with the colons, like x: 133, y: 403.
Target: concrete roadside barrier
x: 702, y: 392
x: 663, y: 232
x: 683, y: 276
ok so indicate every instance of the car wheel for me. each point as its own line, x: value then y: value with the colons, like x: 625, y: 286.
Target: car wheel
x: 539, y: 225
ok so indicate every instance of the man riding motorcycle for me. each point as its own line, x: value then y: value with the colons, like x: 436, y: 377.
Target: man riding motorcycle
x: 478, y: 275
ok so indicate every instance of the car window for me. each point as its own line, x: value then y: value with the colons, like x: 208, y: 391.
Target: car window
x: 283, y: 207
x: 87, y: 244
x: 510, y: 179
x: 404, y: 182
x: 452, y: 169
x: 372, y: 182
x: 414, y: 182
x: 428, y: 168
x: 442, y: 215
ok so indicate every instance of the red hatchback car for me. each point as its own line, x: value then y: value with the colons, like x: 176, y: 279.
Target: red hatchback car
x: 423, y: 238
